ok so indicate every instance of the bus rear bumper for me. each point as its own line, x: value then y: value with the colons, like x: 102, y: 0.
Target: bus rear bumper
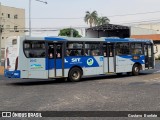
x: 12, y: 74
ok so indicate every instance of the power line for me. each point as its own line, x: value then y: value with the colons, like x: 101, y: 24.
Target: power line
x: 143, y: 21
x: 107, y: 16
x: 135, y: 14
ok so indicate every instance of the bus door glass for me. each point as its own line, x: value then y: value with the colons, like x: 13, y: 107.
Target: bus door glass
x: 55, y: 61
x: 110, y: 55
x: 108, y: 58
x: 149, y: 61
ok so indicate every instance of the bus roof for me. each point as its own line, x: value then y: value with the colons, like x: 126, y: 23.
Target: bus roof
x: 127, y: 40
x: 105, y: 39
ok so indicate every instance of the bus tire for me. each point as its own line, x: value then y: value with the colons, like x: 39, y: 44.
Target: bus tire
x: 75, y: 74
x: 135, y: 69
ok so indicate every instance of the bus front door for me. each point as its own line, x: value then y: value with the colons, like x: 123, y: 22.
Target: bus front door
x: 55, y: 60
x: 149, y: 56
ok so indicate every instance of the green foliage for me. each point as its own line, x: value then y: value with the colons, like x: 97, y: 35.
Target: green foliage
x: 68, y: 32
x: 92, y: 18
x: 102, y: 21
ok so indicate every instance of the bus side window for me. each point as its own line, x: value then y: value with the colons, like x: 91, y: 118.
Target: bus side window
x: 74, y: 49
x: 105, y: 54
x: 104, y: 50
x: 93, y: 48
x: 136, y: 48
x: 122, y: 49
x: 34, y: 49
x: 93, y: 53
x: 67, y: 53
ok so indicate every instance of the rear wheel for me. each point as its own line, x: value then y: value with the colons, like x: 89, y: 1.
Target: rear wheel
x: 75, y: 74
x: 135, y: 69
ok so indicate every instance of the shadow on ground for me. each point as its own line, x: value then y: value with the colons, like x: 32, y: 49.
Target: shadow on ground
x: 32, y: 82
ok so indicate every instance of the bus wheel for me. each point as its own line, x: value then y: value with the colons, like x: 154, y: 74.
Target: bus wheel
x: 75, y: 74
x: 135, y: 69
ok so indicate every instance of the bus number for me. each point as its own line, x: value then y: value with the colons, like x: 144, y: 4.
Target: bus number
x: 33, y: 60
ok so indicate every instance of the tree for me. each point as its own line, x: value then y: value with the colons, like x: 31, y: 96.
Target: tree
x: 102, y: 20
x: 91, y: 18
x: 69, y: 32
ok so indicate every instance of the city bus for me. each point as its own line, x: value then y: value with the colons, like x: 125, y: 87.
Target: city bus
x: 73, y: 58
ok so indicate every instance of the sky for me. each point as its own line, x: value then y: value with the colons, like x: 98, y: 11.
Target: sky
x: 70, y: 13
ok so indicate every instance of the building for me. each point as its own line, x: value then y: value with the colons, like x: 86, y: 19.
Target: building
x: 112, y: 30
x: 151, y: 26
x: 108, y: 30
x: 12, y: 23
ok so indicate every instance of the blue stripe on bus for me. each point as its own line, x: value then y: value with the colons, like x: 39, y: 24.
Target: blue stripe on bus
x: 112, y: 40
x: 54, y: 39
x: 87, y: 61
x: 141, y: 59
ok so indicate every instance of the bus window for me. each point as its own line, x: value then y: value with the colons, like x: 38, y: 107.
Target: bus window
x: 58, y: 51
x: 14, y: 41
x: 122, y: 48
x: 136, y: 48
x: 74, y: 49
x: 108, y: 51
x: 111, y: 50
x: 27, y: 45
x: 51, y: 51
x: 34, y: 49
x: 105, y: 50
x: 92, y: 49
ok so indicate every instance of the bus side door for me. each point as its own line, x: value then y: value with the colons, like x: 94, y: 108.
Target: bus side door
x: 109, y: 64
x: 55, y: 60
x: 149, y: 56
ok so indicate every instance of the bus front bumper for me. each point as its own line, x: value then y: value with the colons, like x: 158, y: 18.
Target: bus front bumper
x: 12, y: 74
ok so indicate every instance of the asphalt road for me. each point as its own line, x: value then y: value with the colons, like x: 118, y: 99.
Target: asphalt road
x: 105, y: 93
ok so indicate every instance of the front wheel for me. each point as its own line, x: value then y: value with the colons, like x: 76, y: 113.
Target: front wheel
x: 75, y: 74
x: 135, y: 70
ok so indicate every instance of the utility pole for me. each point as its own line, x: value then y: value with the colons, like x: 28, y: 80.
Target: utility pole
x: 29, y: 17
x: 71, y: 32
x: 30, y: 29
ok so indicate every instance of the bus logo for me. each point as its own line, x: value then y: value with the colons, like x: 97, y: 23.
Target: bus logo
x: 36, y: 66
x: 75, y: 60
x: 90, y: 61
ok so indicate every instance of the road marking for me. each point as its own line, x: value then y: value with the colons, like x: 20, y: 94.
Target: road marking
x: 154, y: 79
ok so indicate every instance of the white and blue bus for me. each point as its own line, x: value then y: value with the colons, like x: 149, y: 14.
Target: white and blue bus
x: 72, y: 58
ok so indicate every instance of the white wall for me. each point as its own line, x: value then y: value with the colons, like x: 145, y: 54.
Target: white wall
x: 158, y: 53
x: 151, y: 26
x: 142, y: 31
